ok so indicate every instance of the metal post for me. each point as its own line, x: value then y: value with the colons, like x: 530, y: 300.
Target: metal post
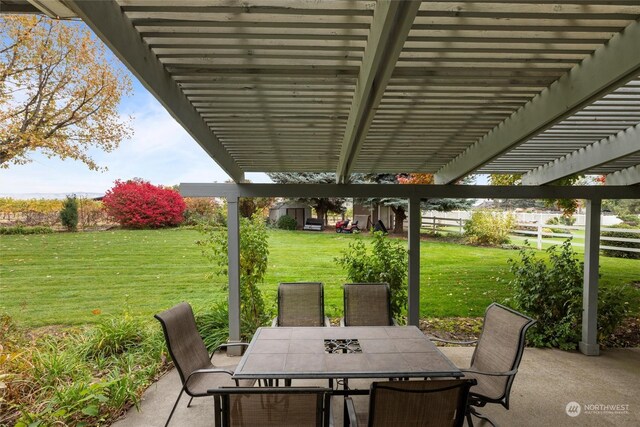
x: 589, y: 343
x: 233, y: 251
x: 415, y: 219
x: 539, y: 234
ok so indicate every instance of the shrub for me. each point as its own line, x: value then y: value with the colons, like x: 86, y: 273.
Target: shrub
x: 489, y: 228
x: 285, y: 222
x: 69, y: 213
x: 254, y: 253
x: 52, y: 381
x: 551, y: 293
x: 386, y: 261
x: 561, y: 220
x: 139, y: 204
x: 630, y: 220
x: 113, y: 336
x: 203, y: 210
x: 19, y: 229
x: 621, y: 235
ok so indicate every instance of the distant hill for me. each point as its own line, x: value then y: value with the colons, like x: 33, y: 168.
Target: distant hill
x: 60, y: 196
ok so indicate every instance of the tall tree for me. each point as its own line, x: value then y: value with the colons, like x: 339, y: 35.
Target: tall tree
x: 58, y: 92
x: 322, y: 205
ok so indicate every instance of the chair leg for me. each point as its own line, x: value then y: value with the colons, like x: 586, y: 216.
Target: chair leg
x: 472, y: 411
x: 175, y: 405
x: 189, y: 404
x: 469, y: 420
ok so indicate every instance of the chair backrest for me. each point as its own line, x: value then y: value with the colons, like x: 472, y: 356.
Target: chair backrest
x: 434, y: 403
x: 367, y: 304
x: 266, y: 407
x: 500, y: 348
x: 301, y: 304
x: 183, y: 340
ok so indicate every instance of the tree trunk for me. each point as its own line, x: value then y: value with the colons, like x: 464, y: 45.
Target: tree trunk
x: 322, y: 213
x: 400, y: 216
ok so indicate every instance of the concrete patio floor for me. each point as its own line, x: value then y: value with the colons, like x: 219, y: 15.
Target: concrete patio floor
x: 548, y: 380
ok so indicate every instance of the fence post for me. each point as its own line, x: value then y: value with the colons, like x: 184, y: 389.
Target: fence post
x: 434, y: 224
x: 539, y: 234
x: 460, y: 226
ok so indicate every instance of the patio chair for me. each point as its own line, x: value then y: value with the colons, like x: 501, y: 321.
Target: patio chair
x: 301, y: 304
x: 272, y: 407
x: 367, y: 304
x: 496, y: 358
x: 433, y: 403
x: 190, y: 356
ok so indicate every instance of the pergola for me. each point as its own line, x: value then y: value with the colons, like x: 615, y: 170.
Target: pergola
x: 548, y: 89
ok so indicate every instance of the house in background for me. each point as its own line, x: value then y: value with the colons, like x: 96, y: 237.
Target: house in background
x: 299, y: 211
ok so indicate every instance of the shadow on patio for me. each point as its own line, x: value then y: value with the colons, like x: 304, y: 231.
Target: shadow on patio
x: 547, y: 381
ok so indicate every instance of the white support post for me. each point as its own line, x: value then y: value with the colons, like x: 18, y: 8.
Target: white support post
x: 589, y: 343
x: 233, y: 251
x: 540, y: 234
x: 415, y: 219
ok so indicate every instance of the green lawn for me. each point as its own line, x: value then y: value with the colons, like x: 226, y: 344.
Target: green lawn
x: 64, y: 278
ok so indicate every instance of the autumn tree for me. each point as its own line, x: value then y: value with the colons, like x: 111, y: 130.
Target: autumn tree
x: 58, y: 92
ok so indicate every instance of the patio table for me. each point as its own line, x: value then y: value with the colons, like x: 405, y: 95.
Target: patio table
x: 341, y: 354
x: 349, y: 352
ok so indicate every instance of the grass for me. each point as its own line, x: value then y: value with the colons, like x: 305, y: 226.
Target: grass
x: 77, y: 278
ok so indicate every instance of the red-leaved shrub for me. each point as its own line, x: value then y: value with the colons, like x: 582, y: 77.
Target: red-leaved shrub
x: 139, y: 204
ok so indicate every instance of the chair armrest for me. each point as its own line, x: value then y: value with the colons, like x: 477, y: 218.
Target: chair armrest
x: 274, y: 322
x: 453, y: 342
x: 208, y: 371
x: 351, y: 410
x: 491, y: 374
x: 228, y: 344
x: 327, y: 322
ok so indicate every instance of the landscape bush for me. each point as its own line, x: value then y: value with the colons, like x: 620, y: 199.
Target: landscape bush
x: 20, y: 229
x: 631, y: 220
x: 561, y: 220
x: 621, y: 235
x: 254, y: 254
x: 489, y: 228
x: 551, y: 293
x: 285, y: 222
x: 62, y: 378
x: 139, y: 204
x: 69, y: 213
x: 386, y: 260
x: 203, y: 210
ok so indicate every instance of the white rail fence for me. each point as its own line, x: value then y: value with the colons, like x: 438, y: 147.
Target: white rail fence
x: 541, y: 232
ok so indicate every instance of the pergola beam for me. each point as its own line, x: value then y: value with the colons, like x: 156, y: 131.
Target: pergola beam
x: 108, y: 21
x: 392, y: 22
x: 628, y: 176
x: 407, y: 191
x: 610, y: 66
x: 623, y: 144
